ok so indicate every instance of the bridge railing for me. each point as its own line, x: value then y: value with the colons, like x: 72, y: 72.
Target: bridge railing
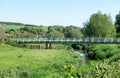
x: 67, y: 40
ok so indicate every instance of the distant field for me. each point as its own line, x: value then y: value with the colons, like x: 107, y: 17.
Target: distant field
x: 35, y: 63
x: 45, y: 28
x: 8, y: 27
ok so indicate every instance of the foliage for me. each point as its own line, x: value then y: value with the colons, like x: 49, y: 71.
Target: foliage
x: 56, y: 28
x: 102, y: 70
x: 74, y: 33
x: 98, y: 52
x: 21, y: 34
x: 99, y: 25
x: 16, y: 29
x: 11, y: 23
x: 2, y: 33
x: 27, y: 63
x: 107, y: 68
x: 117, y: 22
x: 69, y: 31
x: 77, y: 46
x: 9, y: 27
x: 69, y: 70
x: 34, y: 30
x: 55, y: 34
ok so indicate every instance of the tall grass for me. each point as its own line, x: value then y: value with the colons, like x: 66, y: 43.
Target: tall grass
x: 34, y: 63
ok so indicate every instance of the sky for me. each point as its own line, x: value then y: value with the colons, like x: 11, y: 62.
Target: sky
x: 56, y: 12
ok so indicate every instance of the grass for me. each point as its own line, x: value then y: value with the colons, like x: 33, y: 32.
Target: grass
x: 45, y: 28
x: 49, y: 63
x: 35, y: 63
x: 8, y: 27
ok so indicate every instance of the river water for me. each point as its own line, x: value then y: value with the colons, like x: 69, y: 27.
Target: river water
x: 83, y: 56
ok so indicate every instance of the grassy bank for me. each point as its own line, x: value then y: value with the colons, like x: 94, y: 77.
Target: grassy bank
x: 35, y: 63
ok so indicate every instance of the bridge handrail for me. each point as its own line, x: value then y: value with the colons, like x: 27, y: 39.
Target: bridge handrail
x: 85, y: 40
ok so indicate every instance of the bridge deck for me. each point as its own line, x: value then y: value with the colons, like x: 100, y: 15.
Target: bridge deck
x: 67, y: 40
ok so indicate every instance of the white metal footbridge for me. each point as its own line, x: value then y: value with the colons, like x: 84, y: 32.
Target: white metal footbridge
x: 68, y: 40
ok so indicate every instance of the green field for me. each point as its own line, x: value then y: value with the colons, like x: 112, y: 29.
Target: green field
x: 35, y: 63
x: 51, y: 63
x: 8, y: 27
x: 45, y: 28
x: 15, y: 27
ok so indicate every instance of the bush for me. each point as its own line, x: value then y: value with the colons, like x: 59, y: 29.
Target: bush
x: 12, y: 43
x: 100, y: 55
x: 79, y: 47
x: 101, y: 51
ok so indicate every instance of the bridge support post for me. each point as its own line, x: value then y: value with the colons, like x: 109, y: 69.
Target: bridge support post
x: 48, y: 46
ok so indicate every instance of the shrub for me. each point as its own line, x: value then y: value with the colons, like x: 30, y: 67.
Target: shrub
x: 100, y: 55
x: 101, y: 51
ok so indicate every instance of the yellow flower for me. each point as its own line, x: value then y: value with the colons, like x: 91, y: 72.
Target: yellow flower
x: 65, y: 67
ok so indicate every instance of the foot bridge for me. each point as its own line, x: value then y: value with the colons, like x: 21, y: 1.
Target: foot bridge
x: 49, y: 41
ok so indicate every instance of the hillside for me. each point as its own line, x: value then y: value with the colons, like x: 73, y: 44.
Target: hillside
x: 15, y: 26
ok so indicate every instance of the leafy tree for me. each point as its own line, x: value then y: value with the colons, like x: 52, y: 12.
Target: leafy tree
x: 74, y: 33
x: 117, y: 24
x: 68, y: 30
x: 30, y: 29
x: 21, y: 34
x: 99, y: 25
x: 56, y: 28
x: 56, y: 34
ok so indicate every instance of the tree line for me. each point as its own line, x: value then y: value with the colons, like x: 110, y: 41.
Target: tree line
x: 15, y: 23
x: 98, y: 25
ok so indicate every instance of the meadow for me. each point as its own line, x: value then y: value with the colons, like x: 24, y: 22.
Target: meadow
x: 8, y: 27
x: 16, y: 62
x: 35, y: 63
x: 17, y: 27
x: 24, y: 61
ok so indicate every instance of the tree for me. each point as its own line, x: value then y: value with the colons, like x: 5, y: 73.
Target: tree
x: 99, y: 25
x: 56, y: 34
x: 69, y: 30
x: 117, y: 23
x: 2, y: 33
x: 56, y: 28
x: 74, y: 33
x: 30, y: 29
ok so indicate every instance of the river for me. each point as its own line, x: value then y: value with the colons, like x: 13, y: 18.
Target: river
x: 83, y: 56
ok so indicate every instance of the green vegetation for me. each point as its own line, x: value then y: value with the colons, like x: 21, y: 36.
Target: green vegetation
x: 99, y: 52
x: 67, y: 32
x: 99, y: 25
x: 117, y: 24
x: 35, y: 63
x: 28, y: 63
x: 56, y: 34
x: 45, y: 28
x: 2, y: 34
x: 104, y: 61
x: 101, y: 70
x: 74, y: 33
x: 9, y: 27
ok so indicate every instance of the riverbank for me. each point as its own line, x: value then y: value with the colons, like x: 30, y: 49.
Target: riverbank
x: 35, y: 63
x: 49, y: 63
